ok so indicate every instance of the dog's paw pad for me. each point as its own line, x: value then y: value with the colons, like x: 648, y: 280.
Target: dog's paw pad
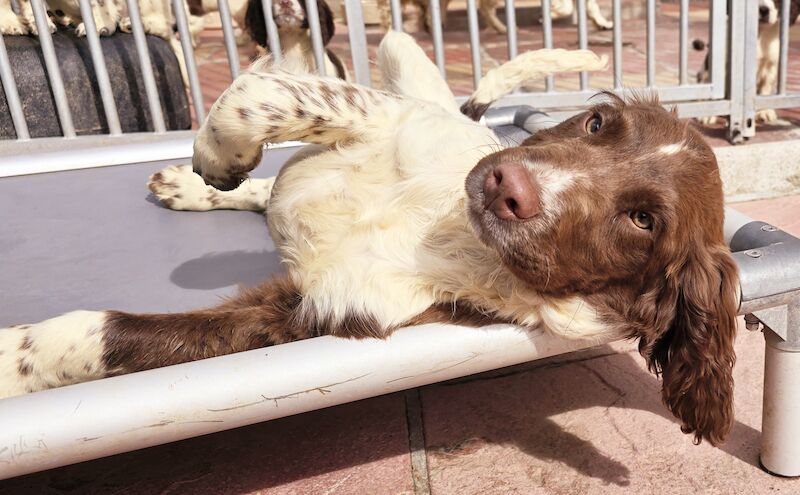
x: 179, y: 188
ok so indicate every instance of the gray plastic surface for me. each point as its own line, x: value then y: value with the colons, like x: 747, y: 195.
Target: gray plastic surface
x: 98, y: 239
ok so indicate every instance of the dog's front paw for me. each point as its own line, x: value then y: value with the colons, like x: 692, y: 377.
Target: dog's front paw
x: 11, y: 24
x: 766, y: 116
x: 179, y: 188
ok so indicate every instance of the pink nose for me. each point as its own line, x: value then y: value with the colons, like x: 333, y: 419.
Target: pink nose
x: 511, y: 193
x: 285, y: 3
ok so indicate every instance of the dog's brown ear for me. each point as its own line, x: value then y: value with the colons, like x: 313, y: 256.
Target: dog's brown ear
x: 325, y: 21
x: 794, y: 11
x: 693, y: 352
x: 254, y: 22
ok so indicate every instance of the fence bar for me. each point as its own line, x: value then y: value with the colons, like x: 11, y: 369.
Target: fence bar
x: 718, y: 34
x: 784, y: 53
x: 12, y: 97
x: 228, y: 36
x: 100, y: 70
x: 684, y: 44
x: 316, y: 36
x: 438, y: 37
x: 358, y: 41
x: 178, y: 8
x: 153, y: 100
x: 511, y: 25
x: 547, y: 35
x: 582, y: 39
x: 651, y: 43
x: 272, y: 31
x: 617, y: 14
x: 53, y: 72
x: 397, y: 15
x: 474, y: 40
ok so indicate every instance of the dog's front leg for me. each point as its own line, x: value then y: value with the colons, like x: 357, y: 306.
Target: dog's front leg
x: 277, y: 106
x: 86, y: 345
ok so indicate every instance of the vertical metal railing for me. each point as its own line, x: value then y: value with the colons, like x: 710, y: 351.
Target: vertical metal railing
x: 511, y: 26
x: 316, y: 36
x: 273, y: 38
x: 435, y: 8
x: 53, y: 71
x: 12, y: 96
x: 229, y: 38
x: 617, y: 36
x: 397, y: 15
x: 583, y: 42
x: 783, y: 58
x: 179, y: 10
x: 358, y: 41
x: 474, y: 41
x: 100, y: 69
x: 547, y: 39
x: 651, y: 43
x: 150, y: 88
x: 683, y: 54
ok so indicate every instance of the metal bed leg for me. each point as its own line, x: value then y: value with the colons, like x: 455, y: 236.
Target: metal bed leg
x: 780, y: 427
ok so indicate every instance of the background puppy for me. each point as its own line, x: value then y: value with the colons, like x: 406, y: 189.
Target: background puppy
x: 295, y: 36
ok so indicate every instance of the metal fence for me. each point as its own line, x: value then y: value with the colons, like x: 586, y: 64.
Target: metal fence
x: 732, y: 36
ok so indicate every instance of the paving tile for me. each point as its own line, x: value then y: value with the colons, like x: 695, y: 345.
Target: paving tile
x: 594, y: 425
x: 357, y: 448
x: 781, y: 212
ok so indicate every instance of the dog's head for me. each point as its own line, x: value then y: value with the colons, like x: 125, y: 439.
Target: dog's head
x: 288, y: 15
x: 769, y: 11
x: 622, y: 205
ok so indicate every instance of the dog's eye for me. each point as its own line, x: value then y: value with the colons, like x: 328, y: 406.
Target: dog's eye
x: 593, y: 124
x: 641, y: 219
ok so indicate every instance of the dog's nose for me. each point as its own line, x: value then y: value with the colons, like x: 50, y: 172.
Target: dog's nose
x: 763, y: 12
x: 511, y: 193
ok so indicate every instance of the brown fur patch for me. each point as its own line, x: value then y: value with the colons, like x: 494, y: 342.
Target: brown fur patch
x: 24, y: 368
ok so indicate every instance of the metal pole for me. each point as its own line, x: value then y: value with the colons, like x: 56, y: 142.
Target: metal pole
x: 474, y: 41
x: 511, y: 26
x: 438, y: 37
x: 684, y: 44
x: 12, y: 97
x: 397, y: 15
x: 617, y: 14
x: 651, y: 43
x: 316, y: 36
x: 582, y: 40
x: 53, y: 72
x: 153, y: 100
x: 100, y: 70
x: 784, y: 53
x: 188, y: 57
x: 229, y: 38
x: 358, y: 41
x: 547, y: 36
x: 273, y: 38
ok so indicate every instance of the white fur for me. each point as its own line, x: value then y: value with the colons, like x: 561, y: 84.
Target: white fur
x: 560, y: 9
x: 182, y: 189
x: 529, y: 65
x: 672, y: 149
x: 63, y: 350
x: 379, y: 217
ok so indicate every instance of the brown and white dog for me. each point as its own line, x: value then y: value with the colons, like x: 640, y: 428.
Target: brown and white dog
x: 767, y: 56
x: 408, y: 212
x: 291, y: 18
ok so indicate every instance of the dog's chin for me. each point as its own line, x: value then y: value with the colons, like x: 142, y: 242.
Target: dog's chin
x: 288, y: 21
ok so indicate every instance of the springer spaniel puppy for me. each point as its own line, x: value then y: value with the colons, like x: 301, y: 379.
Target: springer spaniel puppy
x: 295, y: 36
x: 768, y: 55
x: 408, y: 212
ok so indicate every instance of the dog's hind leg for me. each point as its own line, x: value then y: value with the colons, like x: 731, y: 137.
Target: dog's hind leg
x: 179, y: 188
x: 406, y: 70
x: 86, y: 345
x: 538, y: 63
x: 277, y: 106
